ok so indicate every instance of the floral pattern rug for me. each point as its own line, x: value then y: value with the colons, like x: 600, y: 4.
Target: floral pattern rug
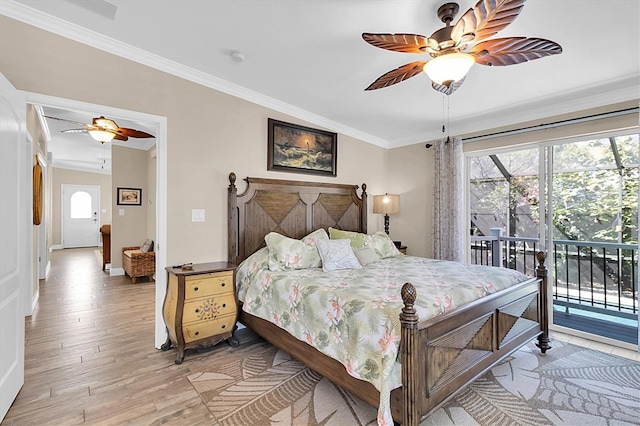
x: 570, y: 385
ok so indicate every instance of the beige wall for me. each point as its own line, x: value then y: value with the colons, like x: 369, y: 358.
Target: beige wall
x: 411, y: 176
x: 209, y: 133
x: 73, y: 177
x: 129, y: 170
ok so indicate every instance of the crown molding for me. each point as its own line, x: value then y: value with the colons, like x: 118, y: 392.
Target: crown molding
x: 75, y: 32
x: 624, y: 89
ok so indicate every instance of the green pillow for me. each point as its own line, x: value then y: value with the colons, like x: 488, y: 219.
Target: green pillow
x: 287, y: 253
x: 382, y: 244
x: 356, y: 238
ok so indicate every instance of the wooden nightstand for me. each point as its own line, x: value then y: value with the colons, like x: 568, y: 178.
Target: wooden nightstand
x: 200, y: 307
x: 402, y: 249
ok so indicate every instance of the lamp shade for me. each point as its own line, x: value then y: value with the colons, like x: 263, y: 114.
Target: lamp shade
x: 102, y: 135
x: 386, y: 204
x: 449, y: 68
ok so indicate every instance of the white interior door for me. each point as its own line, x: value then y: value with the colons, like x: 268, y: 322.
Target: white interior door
x: 15, y: 219
x: 80, y: 207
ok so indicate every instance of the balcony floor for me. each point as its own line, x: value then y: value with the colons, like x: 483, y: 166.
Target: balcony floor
x: 614, y: 328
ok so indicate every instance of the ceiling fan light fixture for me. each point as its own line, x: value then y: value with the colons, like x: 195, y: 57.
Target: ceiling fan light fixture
x: 102, y: 136
x: 449, y: 68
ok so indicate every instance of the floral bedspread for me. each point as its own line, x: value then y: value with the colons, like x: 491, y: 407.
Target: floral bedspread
x: 353, y: 315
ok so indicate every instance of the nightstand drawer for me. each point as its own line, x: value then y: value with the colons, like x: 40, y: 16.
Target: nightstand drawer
x: 203, y: 329
x: 208, y: 284
x: 209, y: 308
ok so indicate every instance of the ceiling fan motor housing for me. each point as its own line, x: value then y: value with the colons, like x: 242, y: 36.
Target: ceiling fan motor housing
x: 447, y: 11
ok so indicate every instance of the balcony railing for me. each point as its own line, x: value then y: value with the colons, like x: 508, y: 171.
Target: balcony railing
x: 588, y: 275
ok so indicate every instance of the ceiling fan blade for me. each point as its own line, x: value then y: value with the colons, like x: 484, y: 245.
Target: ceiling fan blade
x: 406, y: 43
x: 133, y: 133
x: 120, y: 137
x: 74, y: 131
x: 399, y: 74
x: 513, y: 50
x: 68, y: 121
x: 486, y: 19
x: 447, y: 90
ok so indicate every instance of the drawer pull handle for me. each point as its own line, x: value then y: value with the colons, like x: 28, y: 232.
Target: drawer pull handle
x: 197, y: 310
x: 197, y: 332
x: 195, y: 289
x: 224, y: 305
x: 223, y: 326
x: 223, y: 284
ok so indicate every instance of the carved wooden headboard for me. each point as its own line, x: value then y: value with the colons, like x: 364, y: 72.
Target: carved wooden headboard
x: 291, y: 208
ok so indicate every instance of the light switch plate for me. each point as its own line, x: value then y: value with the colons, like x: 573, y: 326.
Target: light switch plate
x: 197, y: 215
x: 121, y: 212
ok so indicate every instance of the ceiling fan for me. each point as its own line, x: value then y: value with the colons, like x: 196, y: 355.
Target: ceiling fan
x: 105, y: 130
x: 455, y: 48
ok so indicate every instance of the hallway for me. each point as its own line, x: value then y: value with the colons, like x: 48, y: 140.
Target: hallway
x: 89, y: 355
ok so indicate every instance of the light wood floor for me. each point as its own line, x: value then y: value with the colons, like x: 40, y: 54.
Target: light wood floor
x: 89, y: 355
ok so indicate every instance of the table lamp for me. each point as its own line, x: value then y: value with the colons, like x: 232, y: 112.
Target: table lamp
x: 386, y: 204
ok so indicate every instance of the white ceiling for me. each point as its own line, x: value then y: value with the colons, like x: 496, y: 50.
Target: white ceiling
x: 307, y: 58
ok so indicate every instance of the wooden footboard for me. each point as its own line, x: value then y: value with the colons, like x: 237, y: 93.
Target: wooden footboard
x: 443, y: 355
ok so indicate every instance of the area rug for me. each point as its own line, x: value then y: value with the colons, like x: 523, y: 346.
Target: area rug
x: 570, y: 385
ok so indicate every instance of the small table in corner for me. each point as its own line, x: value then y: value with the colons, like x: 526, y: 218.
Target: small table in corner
x: 402, y: 249
x: 200, y: 307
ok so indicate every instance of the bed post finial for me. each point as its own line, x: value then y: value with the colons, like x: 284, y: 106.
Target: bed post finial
x: 409, y: 352
x: 232, y: 179
x: 541, y: 272
x: 363, y: 210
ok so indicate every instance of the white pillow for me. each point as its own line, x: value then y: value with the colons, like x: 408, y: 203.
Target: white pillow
x: 337, y: 254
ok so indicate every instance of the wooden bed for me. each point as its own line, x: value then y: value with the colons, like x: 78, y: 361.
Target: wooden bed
x: 440, y: 356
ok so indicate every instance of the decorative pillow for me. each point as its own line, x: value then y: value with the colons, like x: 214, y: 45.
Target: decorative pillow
x: 147, y: 246
x: 287, y: 253
x: 366, y: 256
x: 337, y: 254
x: 382, y: 244
x: 357, y: 239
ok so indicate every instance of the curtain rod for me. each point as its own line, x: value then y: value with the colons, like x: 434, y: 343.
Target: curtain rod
x: 553, y: 124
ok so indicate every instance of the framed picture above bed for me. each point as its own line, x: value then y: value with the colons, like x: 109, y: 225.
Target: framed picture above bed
x: 299, y: 149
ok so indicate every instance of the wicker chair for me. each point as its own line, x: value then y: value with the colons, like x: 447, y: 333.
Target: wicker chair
x: 138, y: 264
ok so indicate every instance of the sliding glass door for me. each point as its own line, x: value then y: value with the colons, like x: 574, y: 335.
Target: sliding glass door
x: 578, y: 201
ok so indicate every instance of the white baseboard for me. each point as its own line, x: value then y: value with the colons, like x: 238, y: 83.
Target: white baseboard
x: 47, y: 270
x: 56, y: 247
x: 116, y: 271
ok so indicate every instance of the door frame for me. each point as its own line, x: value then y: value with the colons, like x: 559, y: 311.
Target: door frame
x: 62, y: 206
x: 161, y: 184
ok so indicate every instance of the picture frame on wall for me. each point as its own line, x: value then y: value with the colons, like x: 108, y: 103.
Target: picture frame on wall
x: 300, y: 149
x: 129, y: 197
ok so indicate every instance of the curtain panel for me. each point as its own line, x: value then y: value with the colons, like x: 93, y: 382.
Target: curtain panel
x: 448, y: 216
